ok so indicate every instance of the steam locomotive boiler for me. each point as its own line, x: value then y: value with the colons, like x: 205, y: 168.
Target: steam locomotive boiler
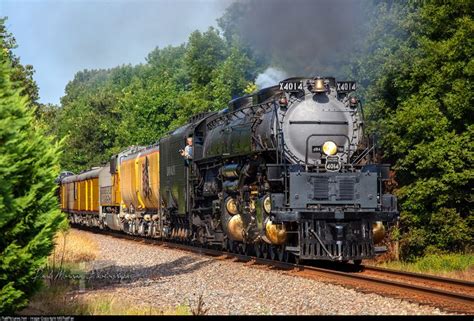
x: 284, y: 173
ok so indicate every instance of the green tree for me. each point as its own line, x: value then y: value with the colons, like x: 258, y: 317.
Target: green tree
x: 90, y: 116
x: 28, y: 203
x: 204, y: 51
x: 148, y: 109
x: 232, y: 77
x: 421, y: 103
x: 21, y: 75
x: 151, y: 104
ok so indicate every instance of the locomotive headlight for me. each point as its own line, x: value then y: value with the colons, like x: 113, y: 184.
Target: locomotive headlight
x: 329, y: 148
x: 267, y: 204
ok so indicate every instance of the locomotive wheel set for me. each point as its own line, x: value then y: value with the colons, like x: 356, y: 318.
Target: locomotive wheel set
x: 285, y: 173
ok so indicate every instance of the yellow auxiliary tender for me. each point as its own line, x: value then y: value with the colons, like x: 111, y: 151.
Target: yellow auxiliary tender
x: 125, y: 189
x: 80, y: 196
x: 139, y: 179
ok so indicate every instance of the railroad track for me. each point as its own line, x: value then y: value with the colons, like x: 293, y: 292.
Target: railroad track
x: 451, y: 295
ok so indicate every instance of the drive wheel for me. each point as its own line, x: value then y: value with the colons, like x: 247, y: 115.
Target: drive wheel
x: 296, y: 259
x: 230, y: 246
x: 241, y: 248
x: 273, y: 253
x: 264, y: 249
x: 282, y: 254
x: 245, y: 249
x: 258, y: 250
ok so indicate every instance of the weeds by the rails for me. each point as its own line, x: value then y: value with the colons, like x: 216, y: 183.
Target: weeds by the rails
x: 60, y: 300
x: 459, y: 266
x: 62, y: 276
x: 73, y: 246
x: 199, y: 309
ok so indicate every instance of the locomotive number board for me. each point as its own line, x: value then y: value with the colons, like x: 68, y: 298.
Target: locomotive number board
x: 333, y: 164
x: 291, y: 85
x: 345, y: 86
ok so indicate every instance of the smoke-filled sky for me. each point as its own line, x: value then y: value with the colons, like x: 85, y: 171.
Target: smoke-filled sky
x: 304, y: 37
x: 62, y: 37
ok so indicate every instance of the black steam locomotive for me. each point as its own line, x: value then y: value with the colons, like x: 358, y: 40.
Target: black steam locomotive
x: 284, y: 173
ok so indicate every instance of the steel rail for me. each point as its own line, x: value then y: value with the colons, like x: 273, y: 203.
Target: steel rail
x: 454, y: 296
x: 420, y: 276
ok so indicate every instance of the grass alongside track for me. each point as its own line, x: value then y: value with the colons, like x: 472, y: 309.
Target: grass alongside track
x: 61, y: 300
x: 65, y: 292
x: 458, y: 266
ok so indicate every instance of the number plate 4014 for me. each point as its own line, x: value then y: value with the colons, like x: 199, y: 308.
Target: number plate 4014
x: 345, y: 86
x: 333, y: 164
x: 291, y: 85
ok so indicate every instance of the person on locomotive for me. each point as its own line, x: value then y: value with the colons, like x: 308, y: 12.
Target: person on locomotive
x: 187, y: 153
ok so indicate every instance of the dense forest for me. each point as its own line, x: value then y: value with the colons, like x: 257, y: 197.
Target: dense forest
x: 412, y: 60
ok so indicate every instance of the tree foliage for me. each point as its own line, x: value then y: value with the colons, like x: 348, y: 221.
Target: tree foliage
x: 21, y: 75
x: 418, y: 73
x: 104, y: 111
x: 28, y: 204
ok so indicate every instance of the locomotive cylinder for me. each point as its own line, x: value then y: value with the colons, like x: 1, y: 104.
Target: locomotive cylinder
x: 235, y: 228
x: 275, y: 233
x: 378, y: 230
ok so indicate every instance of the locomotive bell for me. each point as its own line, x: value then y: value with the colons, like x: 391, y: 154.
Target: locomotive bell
x: 319, y: 86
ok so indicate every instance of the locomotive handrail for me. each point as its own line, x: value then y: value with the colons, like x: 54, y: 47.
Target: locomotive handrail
x: 363, y: 154
x: 318, y: 122
x: 316, y: 135
x: 244, y: 110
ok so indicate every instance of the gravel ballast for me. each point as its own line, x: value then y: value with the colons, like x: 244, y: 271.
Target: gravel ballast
x: 151, y: 275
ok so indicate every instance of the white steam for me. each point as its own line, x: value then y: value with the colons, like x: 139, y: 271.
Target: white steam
x: 270, y: 77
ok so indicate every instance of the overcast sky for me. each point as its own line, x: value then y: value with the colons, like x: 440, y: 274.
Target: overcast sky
x: 61, y: 37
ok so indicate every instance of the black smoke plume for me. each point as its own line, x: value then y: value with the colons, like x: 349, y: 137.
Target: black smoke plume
x: 301, y: 37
